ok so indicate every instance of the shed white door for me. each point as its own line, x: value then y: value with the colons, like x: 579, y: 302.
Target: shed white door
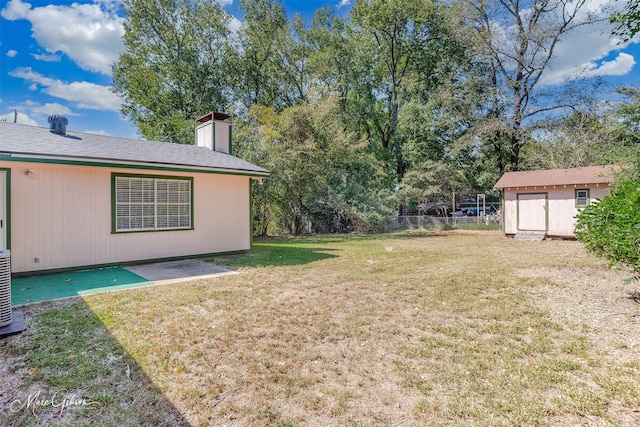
x: 532, y: 212
x: 3, y: 210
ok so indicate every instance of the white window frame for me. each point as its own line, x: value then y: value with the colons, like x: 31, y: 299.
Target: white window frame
x: 151, y: 203
x: 586, y: 198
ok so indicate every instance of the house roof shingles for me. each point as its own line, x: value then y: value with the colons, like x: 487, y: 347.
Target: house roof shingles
x: 19, y: 139
x: 573, y: 176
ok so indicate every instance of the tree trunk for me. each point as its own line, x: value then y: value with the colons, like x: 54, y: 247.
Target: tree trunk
x: 514, y: 155
x: 497, y: 149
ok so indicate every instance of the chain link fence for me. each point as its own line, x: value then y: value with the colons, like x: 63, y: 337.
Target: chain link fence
x: 424, y: 221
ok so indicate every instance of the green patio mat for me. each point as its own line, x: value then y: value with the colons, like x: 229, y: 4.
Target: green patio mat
x: 26, y: 290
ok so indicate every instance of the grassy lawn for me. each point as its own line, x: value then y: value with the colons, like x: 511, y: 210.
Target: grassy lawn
x: 462, y: 328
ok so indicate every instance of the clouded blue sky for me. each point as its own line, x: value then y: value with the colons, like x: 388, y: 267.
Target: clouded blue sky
x: 56, y: 56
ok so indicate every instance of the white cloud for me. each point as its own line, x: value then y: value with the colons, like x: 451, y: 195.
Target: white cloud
x: 46, y: 58
x: 52, y: 108
x: 343, y: 3
x: 85, y: 95
x: 22, y: 119
x: 98, y: 132
x: 15, y: 10
x: 89, y: 34
x: 11, y: 53
x: 234, y: 24
x: 619, y: 66
x: 27, y: 73
x: 581, y: 52
x: 29, y: 111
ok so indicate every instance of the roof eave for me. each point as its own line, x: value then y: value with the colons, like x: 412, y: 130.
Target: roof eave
x: 589, y: 182
x: 105, y: 162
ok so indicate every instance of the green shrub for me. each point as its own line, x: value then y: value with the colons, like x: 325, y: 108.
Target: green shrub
x: 611, y: 227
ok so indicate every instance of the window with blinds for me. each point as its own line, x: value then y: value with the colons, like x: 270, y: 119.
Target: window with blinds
x: 149, y: 203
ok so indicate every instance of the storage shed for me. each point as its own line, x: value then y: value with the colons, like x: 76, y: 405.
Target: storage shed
x: 546, y: 202
x: 70, y: 199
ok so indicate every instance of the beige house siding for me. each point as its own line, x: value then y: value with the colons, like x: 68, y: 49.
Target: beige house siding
x: 62, y: 217
x: 561, y: 206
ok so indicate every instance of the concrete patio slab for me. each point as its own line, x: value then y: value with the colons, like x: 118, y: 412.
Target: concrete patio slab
x: 174, y: 271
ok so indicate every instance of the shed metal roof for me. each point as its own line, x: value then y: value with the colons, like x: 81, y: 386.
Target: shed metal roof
x: 573, y: 176
x: 21, y: 140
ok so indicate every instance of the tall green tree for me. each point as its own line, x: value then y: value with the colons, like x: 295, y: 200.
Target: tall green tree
x: 608, y: 134
x: 172, y: 69
x: 319, y: 172
x: 334, y: 63
x: 267, y: 64
x: 583, y: 138
x: 624, y: 126
x: 610, y: 227
x: 516, y: 42
x: 434, y: 124
x: 627, y: 21
x: 433, y: 183
x: 627, y: 127
x: 625, y: 117
x: 402, y: 40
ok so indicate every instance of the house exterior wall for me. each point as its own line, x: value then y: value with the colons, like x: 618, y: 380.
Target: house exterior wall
x: 62, y: 216
x: 560, y: 205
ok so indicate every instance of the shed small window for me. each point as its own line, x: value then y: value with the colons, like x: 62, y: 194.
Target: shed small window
x: 582, y: 198
x: 148, y: 203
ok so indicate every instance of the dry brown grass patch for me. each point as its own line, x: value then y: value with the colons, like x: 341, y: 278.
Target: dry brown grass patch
x: 456, y: 328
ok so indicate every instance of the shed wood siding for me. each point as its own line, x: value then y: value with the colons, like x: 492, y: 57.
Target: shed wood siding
x: 561, y: 207
x: 62, y: 216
